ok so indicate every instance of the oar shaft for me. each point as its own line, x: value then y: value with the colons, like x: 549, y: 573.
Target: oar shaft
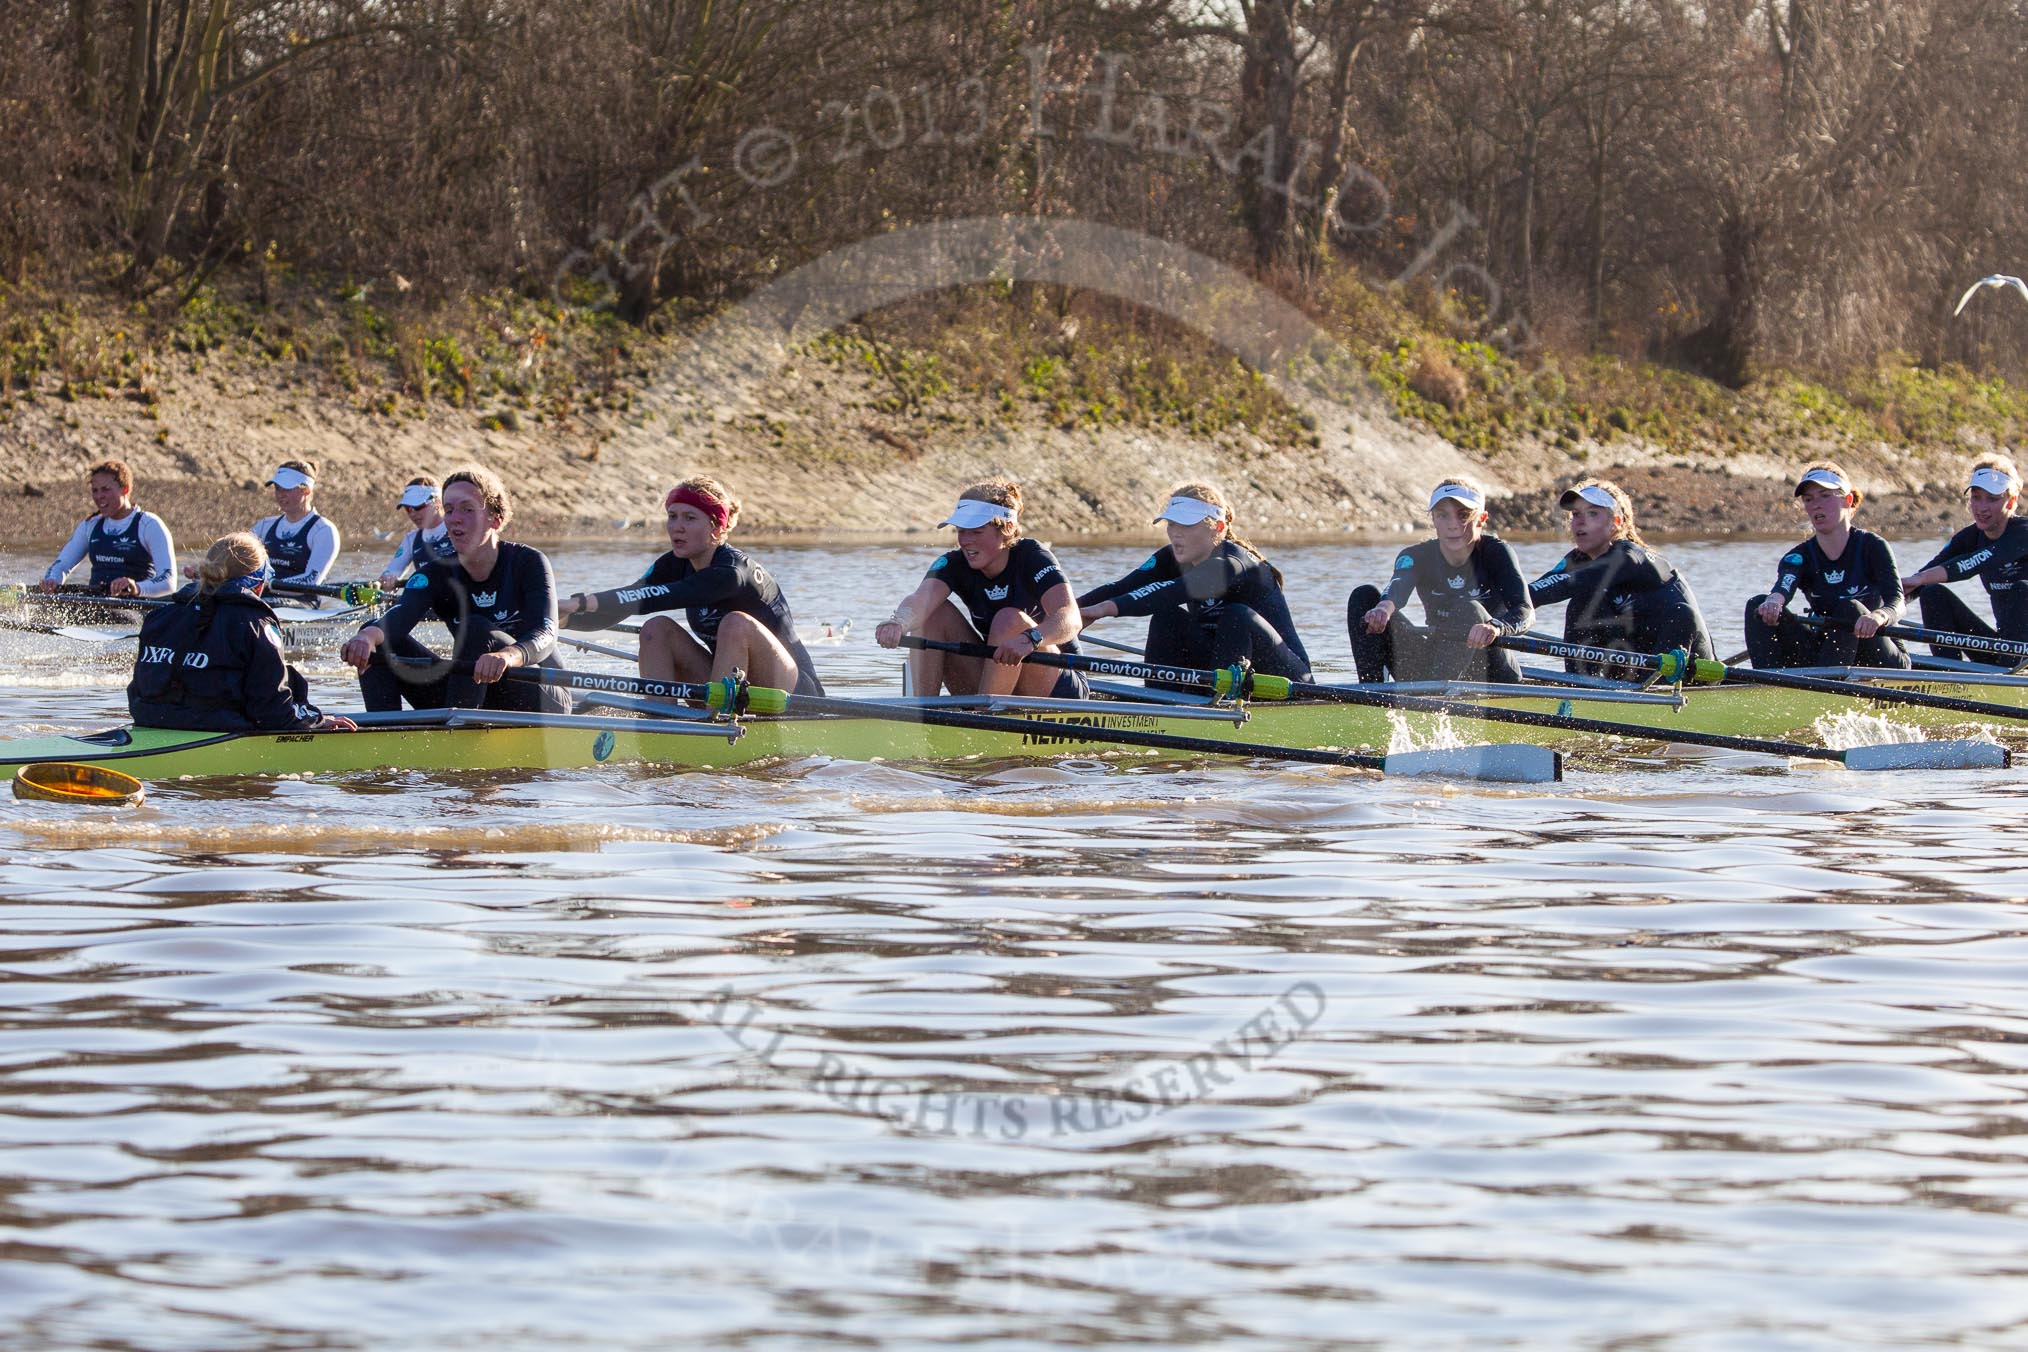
x: 1706, y: 671
x: 715, y: 694
x: 1671, y: 666
x: 1971, y: 643
x: 761, y: 699
x: 1269, y: 686
x: 351, y: 593
x: 1879, y: 694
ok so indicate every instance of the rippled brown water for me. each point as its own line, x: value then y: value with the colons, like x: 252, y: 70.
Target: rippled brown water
x: 831, y: 1054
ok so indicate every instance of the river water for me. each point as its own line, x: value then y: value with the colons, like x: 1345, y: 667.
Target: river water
x: 1684, y: 1055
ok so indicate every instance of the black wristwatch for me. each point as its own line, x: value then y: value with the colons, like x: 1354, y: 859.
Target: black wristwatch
x: 1034, y: 636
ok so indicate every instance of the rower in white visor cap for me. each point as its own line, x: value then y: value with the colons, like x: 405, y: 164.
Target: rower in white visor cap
x: 1014, y: 597
x: 1212, y: 600
x: 1469, y: 583
x: 1993, y: 549
x: 1846, y: 576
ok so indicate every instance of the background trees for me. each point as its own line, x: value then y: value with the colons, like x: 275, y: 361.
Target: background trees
x: 1720, y: 182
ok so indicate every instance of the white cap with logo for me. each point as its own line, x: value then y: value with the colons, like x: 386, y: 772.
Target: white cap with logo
x: 1189, y: 511
x: 970, y: 513
x: 1995, y: 481
x: 1829, y: 478
x: 1591, y: 493
x: 1471, y: 499
x: 288, y: 477
x: 418, y: 495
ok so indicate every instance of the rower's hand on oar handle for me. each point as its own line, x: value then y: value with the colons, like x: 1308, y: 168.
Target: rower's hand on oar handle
x: 1770, y: 611
x: 888, y: 633
x: 490, y: 667
x: 123, y: 586
x: 335, y: 723
x: 358, y: 650
x: 48, y: 585
x: 1867, y: 625
x: 1483, y: 636
x: 1376, y: 620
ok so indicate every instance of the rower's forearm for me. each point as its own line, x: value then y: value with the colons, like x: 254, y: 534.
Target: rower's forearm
x: 1061, y: 626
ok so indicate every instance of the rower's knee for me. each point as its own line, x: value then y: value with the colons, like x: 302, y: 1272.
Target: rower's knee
x: 1007, y: 624
x: 658, y: 629
x: 946, y: 625
x: 738, y: 624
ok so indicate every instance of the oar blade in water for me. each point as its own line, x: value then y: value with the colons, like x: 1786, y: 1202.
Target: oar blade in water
x: 1504, y: 764
x: 1964, y: 753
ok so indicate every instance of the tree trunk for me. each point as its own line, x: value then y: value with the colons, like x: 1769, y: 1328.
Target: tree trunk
x: 1268, y: 93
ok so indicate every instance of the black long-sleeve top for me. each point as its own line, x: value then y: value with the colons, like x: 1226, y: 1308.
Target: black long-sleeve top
x: 1490, y: 576
x: 1865, y: 573
x: 1598, y: 589
x: 2000, y: 565
x: 518, y: 598
x: 1230, y: 576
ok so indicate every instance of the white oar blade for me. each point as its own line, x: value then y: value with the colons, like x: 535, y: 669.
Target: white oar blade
x: 1504, y: 764
x: 86, y: 634
x: 1957, y: 754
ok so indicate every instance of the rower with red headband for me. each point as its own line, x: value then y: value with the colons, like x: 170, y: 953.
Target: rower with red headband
x: 1617, y: 592
x: 739, y: 619
x: 1993, y: 549
x: 1844, y: 573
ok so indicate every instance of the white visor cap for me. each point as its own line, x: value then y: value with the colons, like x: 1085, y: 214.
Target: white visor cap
x: 418, y: 495
x: 1590, y: 493
x: 1190, y: 511
x: 1473, y: 502
x: 1827, y: 478
x: 970, y: 513
x: 1995, y: 481
x: 290, y: 478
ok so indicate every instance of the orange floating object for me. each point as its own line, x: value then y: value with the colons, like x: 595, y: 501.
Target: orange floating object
x: 65, y: 782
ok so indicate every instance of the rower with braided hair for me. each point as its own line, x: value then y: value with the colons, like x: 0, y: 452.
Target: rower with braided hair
x: 1212, y: 599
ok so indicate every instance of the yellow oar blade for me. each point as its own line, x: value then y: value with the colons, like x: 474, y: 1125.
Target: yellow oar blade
x: 68, y: 782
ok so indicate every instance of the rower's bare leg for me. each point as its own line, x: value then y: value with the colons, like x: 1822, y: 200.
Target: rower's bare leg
x: 745, y: 645
x: 932, y: 672
x: 669, y: 653
x: 1026, y: 679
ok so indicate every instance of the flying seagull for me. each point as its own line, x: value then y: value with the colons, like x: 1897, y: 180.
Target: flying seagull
x: 1997, y: 279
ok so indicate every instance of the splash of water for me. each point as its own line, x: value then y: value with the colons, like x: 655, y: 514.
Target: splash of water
x: 1422, y: 735
x: 1848, y: 728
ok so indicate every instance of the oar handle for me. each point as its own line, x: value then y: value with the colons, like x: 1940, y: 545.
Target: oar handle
x: 351, y: 593
x: 730, y: 695
x: 1672, y: 667
x: 1971, y: 643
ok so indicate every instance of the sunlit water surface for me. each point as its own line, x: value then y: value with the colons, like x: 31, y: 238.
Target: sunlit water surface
x: 1679, y: 1055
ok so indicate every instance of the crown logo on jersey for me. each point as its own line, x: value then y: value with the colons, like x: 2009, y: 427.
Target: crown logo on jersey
x: 998, y: 593
x: 484, y: 599
x: 1835, y: 578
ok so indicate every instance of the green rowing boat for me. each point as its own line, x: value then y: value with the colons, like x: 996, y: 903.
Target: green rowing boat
x: 452, y: 740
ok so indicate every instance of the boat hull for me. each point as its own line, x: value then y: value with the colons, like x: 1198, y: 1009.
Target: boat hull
x: 578, y: 742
